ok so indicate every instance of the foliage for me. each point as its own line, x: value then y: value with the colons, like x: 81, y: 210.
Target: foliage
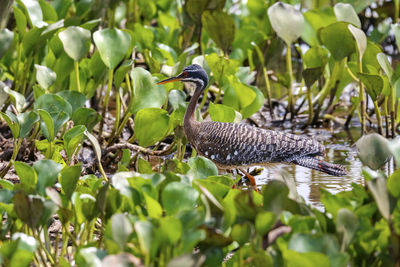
x: 76, y: 75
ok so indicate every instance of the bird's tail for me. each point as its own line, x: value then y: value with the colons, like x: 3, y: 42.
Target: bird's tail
x: 320, y: 165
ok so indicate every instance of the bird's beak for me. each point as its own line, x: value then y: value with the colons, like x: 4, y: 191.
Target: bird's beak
x: 170, y: 80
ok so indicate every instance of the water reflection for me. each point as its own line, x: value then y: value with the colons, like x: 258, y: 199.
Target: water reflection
x: 339, y: 149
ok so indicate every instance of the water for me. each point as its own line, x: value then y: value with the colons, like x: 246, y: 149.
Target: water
x: 339, y: 149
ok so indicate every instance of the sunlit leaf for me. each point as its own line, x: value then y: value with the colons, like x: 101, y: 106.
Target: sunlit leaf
x: 6, y: 38
x: 347, y: 224
x: 178, y: 197
x: 121, y: 229
x: 45, y: 76
x: 73, y: 138
x: 373, y: 150
x: 149, y: 133
x: 221, y: 28
x: 76, y: 42
x: 17, y: 98
x: 345, y: 12
x: 47, y: 173
x: 338, y: 40
x: 69, y: 177
x: 373, y: 83
x: 221, y: 113
x: 381, y: 196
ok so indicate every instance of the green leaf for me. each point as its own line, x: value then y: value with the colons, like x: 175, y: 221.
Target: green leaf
x: 221, y: 113
x: 345, y: 12
x: 12, y: 122
x: 35, y: 13
x: 347, y: 225
x: 221, y: 28
x: 121, y: 229
x: 74, y: 98
x: 379, y: 191
x: 45, y: 76
x: 28, y: 208
x: 113, y: 44
x: 264, y: 222
x: 73, y: 138
x: 315, y: 19
x: 170, y: 229
x: 287, y: 21
x: 53, y: 104
x: 47, y: 125
x: 6, y: 38
x: 395, y: 28
x: 201, y: 167
x: 27, y: 176
x: 220, y: 67
x: 76, y: 42
x: 119, y: 75
x: 148, y: 134
x: 373, y: 150
x: 69, y: 177
x: 373, y: 83
x: 177, y: 197
x: 241, y: 233
x: 17, y: 98
x: 275, y: 194
x: 86, y: 116
x: 393, y: 184
x: 3, y: 94
x: 361, y: 40
x: 385, y: 64
x: 146, y: 94
x: 47, y: 171
x: 153, y: 207
x: 147, y: 236
x: 95, y: 143
x: 20, y: 20
x: 26, y: 121
x: 338, y: 39
x: 316, y: 56
x: 49, y: 14
x: 311, y: 75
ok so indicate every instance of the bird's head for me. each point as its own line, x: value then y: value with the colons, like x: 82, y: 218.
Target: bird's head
x: 191, y: 74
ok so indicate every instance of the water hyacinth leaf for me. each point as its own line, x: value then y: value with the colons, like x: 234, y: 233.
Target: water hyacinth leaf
x: 314, y: 20
x: 53, y: 104
x: 143, y: 37
x: 20, y: 20
x: 201, y: 167
x: 49, y: 13
x: 35, y: 13
x: 222, y: 113
x: 119, y: 75
x: 27, y: 176
x: 275, y: 194
x: 88, y: 206
x: 394, y: 147
x: 177, y: 197
x: 176, y: 98
x: 221, y: 28
x: 26, y: 121
x: 286, y: 21
x: 373, y: 83
x: 146, y: 94
x: 153, y: 207
x: 76, y: 42
x: 3, y: 94
x: 69, y: 177
x: 88, y: 256
x: 150, y: 133
x: 220, y: 67
x: 395, y: 28
x: 345, y: 12
x: 73, y: 138
x: 95, y: 143
x: 6, y: 38
x: 264, y: 222
x: 316, y: 56
x: 121, y: 229
x: 12, y: 122
x: 17, y: 98
x: 29, y: 208
x: 311, y: 75
x: 113, y: 44
x: 146, y: 235
x: 241, y: 233
x: 86, y: 116
x: 347, y: 224
x: 47, y: 173
x: 74, y: 98
x: 373, y: 150
x: 120, y: 259
x: 46, y: 124
x: 45, y: 76
x: 385, y: 64
x: 381, y: 196
x: 393, y: 184
x: 338, y: 39
x: 361, y: 40
x: 143, y: 166
x: 170, y: 229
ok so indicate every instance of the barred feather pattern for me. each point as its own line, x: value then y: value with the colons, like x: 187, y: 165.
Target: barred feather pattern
x: 233, y: 145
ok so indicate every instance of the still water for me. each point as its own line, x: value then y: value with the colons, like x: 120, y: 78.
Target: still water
x: 339, y: 149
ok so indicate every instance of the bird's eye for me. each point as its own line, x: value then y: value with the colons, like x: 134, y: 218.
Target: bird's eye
x: 185, y: 74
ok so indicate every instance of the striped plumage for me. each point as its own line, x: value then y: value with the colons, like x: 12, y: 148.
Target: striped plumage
x: 232, y: 145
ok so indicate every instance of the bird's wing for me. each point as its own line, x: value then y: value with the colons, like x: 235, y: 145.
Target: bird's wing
x: 241, y: 144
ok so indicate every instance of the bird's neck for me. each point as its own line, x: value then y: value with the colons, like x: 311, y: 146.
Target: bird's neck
x: 189, y: 121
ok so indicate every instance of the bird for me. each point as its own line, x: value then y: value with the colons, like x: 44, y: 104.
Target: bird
x: 238, y: 145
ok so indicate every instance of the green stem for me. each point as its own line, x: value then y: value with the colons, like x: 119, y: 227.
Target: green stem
x: 290, y: 71
x: 43, y: 248
x: 117, y: 117
x: 378, y: 117
x: 78, y: 83
x: 396, y: 10
x: 310, y: 106
x: 363, y: 104
x: 17, y: 145
x: 106, y: 99
x: 385, y: 112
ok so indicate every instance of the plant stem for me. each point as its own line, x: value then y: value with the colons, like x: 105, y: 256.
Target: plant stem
x: 378, y: 117
x: 17, y: 144
x: 310, y: 106
x: 363, y: 104
x: 117, y: 117
x: 106, y: 99
x: 290, y: 71
x: 78, y: 83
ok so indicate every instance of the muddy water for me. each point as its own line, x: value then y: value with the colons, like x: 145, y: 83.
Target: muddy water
x: 339, y: 149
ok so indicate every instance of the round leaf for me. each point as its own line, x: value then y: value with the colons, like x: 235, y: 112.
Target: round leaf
x: 178, y: 197
x: 113, y: 44
x: 221, y: 28
x: 151, y: 125
x: 221, y: 113
x: 201, y: 167
x: 6, y: 37
x: 373, y: 150
x: 345, y: 12
x: 287, y: 21
x: 338, y: 39
x: 45, y: 76
x: 47, y: 171
x: 121, y: 229
x: 53, y: 104
x: 76, y: 42
x: 361, y: 40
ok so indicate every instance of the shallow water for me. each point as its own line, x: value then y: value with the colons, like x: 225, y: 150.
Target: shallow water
x: 339, y: 149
